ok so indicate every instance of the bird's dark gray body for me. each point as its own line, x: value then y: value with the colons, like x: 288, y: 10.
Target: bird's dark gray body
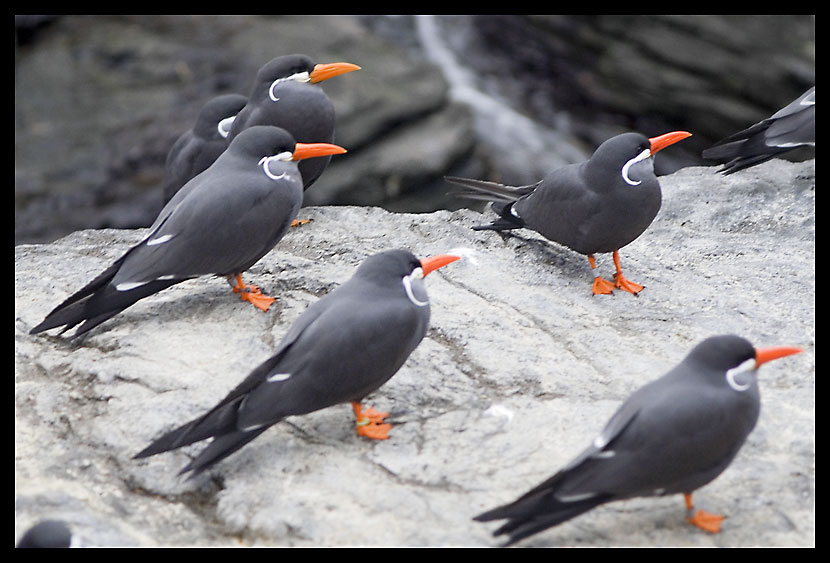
x: 342, y: 348
x: 221, y: 222
x: 602, y: 218
x: 587, y: 207
x: 674, y: 435
x: 600, y: 205
x: 791, y: 127
x: 198, y: 148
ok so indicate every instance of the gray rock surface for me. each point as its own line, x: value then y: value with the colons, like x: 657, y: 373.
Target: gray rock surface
x: 520, y: 369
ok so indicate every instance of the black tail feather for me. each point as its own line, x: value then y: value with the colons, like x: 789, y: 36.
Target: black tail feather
x: 218, y: 421
x: 728, y: 147
x: 70, y: 312
x: 220, y: 448
x: 478, y: 189
x: 532, y: 514
x: 744, y: 162
x: 97, y: 302
x: 742, y: 149
x: 503, y: 198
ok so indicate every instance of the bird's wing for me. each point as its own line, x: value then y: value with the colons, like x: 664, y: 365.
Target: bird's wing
x: 221, y: 227
x: 354, y: 345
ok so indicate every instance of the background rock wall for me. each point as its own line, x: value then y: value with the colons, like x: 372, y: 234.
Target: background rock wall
x: 99, y: 100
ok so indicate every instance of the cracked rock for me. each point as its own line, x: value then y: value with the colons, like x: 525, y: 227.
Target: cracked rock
x: 520, y: 369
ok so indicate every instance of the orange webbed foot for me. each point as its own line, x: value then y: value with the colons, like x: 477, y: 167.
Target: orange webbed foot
x: 298, y: 222
x: 368, y: 422
x: 602, y: 286
x: 258, y: 299
x: 252, y: 294
x: 706, y: 521
x: 621, y: 282
x: 374, y: 431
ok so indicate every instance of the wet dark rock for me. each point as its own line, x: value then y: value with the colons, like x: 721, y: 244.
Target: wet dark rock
x: 100, y: 100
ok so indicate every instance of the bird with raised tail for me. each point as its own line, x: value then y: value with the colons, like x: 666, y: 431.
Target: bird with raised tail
x: 672, y: 436
x: 343, y: 347
x: 221, y: 222
x: 287, y: 93
x: 195, y: 150
x: 789, y: 128
x: 596, y: 206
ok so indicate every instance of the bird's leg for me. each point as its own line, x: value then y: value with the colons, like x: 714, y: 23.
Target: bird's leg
x: 368, y: 422
x: 601, y: 286
x: 700, y: 518
x: 620, y: 281
x: 298, y: 222
x: 250, y: 293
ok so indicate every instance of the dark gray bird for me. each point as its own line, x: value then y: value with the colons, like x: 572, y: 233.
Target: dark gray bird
x: 672, y: 436
x: 791, y: 127
x: 599, y: 205
x: 47, y: 534
x: 286, y: 93
x: 198, y: 148
x: 342, y: 348
x: 221, y: 222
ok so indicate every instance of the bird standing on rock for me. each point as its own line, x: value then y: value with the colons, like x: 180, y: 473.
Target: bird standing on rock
x: 221, y: 222
x: 198, y: 148
x: 791, y: 127
x: 599, y: 205
x: 672, y: 436
x: 343, y: 347
x: 286, y: 93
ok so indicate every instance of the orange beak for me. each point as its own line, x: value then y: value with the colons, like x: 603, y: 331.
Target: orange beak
x: 330, y: 70
x: 764, y: 355
x: 661, y: 142
x: 310, y: 150
x: 434, y: 262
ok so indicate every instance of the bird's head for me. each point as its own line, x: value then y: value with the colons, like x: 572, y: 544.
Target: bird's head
x: 402, y: 267
x: 218, y: 114
x: 267, y: 145
x: 735, y: 360
x: 296, y: 68
x: 630, y: 154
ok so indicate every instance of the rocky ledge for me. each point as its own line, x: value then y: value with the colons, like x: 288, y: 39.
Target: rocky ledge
x: 520, y: 369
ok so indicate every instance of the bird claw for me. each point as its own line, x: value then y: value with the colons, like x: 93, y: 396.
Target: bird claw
x: 257, y: 298
x: 251, y: 293
x: 368, y: 422
x: 621, y: 283
x: 298, y: 222
x: 706, y: 521
x: 602, y: 286
x: 374, y: 431
x: 246, y: 289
